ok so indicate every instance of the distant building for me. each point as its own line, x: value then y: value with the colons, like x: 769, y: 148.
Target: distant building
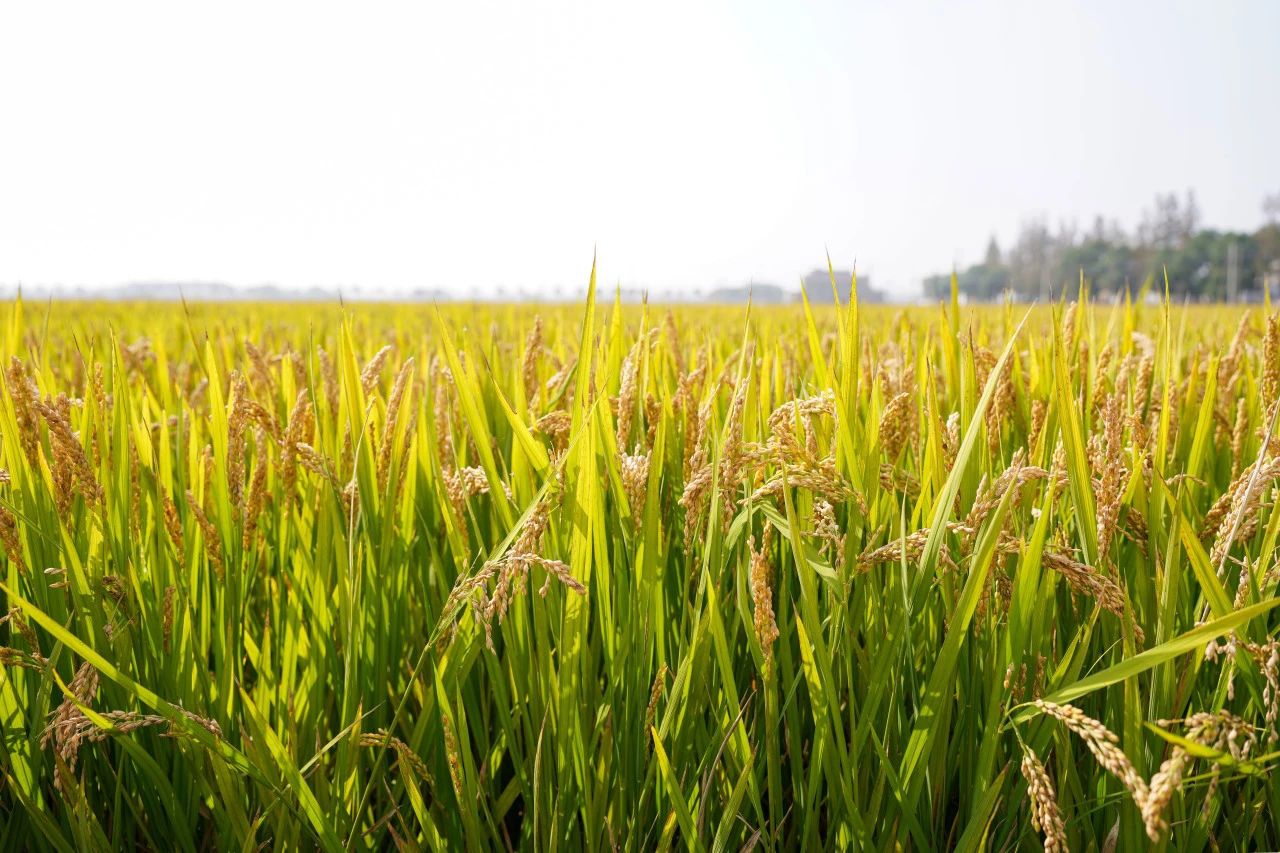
x: 817, y: 286
x: 760, y: 294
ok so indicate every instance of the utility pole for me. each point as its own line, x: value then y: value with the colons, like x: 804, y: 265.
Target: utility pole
x: 1233, y: 271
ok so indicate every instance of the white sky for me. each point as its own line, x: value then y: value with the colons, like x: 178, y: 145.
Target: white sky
x: 466, y: 145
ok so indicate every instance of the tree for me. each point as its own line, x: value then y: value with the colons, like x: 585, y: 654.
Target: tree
x: 1169, y: 225
x: 1271, y: 208
x: 1169, y: 240
x: 1030, y: 259
x: 985, y: 281
x: 992, y: 258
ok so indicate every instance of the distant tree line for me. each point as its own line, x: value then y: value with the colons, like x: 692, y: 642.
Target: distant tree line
x: 1202, y: 263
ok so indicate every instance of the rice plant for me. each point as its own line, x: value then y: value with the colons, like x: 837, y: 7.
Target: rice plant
x: 588, y: 577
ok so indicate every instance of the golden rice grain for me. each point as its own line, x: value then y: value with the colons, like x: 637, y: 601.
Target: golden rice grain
x: 1045, y: 816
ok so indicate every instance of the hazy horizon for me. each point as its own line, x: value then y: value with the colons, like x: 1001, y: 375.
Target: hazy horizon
x: 463, y: 149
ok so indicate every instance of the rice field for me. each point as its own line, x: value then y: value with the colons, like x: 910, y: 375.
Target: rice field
x: 622, y: 577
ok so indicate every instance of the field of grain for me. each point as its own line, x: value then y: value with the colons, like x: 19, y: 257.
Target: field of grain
x: 602, y: 576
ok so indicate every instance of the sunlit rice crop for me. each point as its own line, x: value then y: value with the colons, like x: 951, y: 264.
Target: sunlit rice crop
x: 567, y: 577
